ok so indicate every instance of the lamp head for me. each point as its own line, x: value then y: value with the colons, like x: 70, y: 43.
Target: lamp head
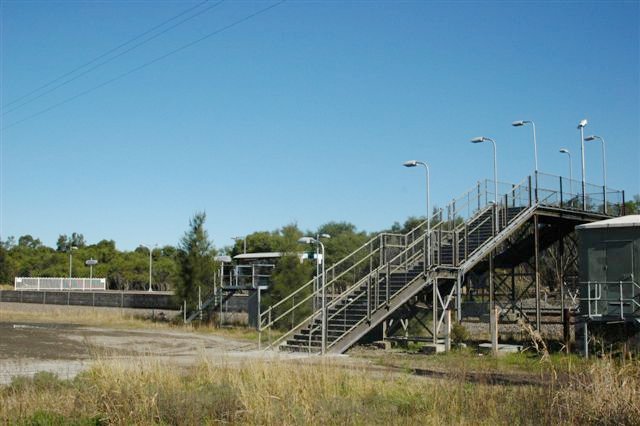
x: 411, y: 163
x: 564, y: 151
x: 591, y: 138
x: 324, y: 236
x: 518, y: 123
x: 306, y: 240
x: 583, y: 124
x: 478, y: 139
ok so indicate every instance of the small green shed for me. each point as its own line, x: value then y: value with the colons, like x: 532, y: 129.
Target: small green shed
x: 609, y: 269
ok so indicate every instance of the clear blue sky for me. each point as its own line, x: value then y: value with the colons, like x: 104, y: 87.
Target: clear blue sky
x: 302, y: 114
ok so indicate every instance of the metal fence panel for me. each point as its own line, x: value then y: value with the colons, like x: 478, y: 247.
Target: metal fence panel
x: 71, y: 284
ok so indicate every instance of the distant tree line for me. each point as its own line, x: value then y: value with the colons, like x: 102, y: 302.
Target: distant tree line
x: 190, y: 264
x: 181, y: 268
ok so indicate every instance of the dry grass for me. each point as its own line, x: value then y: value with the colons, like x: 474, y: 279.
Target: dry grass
x: 113, y: 318
x: 149, y: 392
x: 80, y: 315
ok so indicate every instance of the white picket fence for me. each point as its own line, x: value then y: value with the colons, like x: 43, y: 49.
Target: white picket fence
x: 46, y: 283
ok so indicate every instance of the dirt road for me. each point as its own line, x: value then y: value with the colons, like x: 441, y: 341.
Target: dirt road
x: 66, y: 349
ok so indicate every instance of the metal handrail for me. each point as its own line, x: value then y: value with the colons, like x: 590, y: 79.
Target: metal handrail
x: 347, y: 292
x: 330, y: 270
x: 444, y: 232
x: 350, y: 290
x: 375, y: 309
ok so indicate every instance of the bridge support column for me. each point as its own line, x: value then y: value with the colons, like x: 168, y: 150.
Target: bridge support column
x: 447, y: 331
x: 435, y: 311
x: 537, y: 267
x: 459, y: 297
x: 493, y: 324
x: 492, y: 301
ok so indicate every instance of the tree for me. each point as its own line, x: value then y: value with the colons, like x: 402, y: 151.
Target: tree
x: 29, y: 242
x: 64, y: 242
x: 632, y: 206
x: 288, y: 275
x: 195, y: 260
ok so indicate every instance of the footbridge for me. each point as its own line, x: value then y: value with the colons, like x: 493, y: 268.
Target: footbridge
x: 481, y: 251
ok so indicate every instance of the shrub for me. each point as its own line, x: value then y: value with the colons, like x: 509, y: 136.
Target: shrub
x: 459, y: 333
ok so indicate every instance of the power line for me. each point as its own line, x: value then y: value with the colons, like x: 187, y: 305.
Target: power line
x: 104, y: 54
x: 98, y: 65
x: 146, y: 64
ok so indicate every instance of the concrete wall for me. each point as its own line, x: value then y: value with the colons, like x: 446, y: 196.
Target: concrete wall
x: 117, y: 299
x: 120, y: 299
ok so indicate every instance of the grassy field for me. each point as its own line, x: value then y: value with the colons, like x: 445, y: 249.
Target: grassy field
x: 148, y: 392
x: 385, y: 388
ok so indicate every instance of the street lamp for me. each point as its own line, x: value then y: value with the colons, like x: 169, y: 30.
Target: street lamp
x: 481, y: 139
x: 581, y: 126
x: 566, y: 151
x: 150, y: 262
x: 90, y: 263
x: 318, y: 243
x: 520, y: 123
x: 71, y: 258
x: 414, y: 163
x: 604, y: 165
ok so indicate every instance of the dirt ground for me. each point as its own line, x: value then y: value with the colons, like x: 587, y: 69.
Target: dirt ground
x: 27, y: 347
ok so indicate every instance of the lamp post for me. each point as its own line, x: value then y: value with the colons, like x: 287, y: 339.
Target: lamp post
x: 581, y: 126
x: 71, y: 259
x: 604, y: 165
x: 566, y: 151
x: 90, y: 263
x: 481, y: 139
x: 414, y: 163
x: 311, y: 240
x: 520, y: 123
x: 150, y: 262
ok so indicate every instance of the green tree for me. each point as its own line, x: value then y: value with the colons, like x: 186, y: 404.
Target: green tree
x: 632, y: 206
x: 288, y: 275
x: 29, y: 242
x: 195, y: 261
x: 65, y: 242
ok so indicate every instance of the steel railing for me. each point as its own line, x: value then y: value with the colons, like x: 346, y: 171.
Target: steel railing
x: 453, y: 228
x: 627, y: 294
x: 71, y: 284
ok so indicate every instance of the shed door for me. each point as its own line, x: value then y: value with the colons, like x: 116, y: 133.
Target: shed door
x: 619, y: 267
x: 597, y: 273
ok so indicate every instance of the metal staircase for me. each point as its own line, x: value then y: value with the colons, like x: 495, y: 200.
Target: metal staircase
x: 211, y: 303
x: 367, y: 286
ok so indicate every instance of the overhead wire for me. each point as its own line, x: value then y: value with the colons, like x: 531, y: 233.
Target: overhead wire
x: 98, y: 65
x: 104, y: 54
x: 146, y: 64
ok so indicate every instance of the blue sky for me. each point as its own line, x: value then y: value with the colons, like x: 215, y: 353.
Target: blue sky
x: 302, y: 114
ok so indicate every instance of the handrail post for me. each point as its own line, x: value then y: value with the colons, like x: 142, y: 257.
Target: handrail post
x: 466, y: 240
x: 621, y: 304
x: 269, y: 329
x: 377, y: 298
x: 623, y: 209
x: 536, y: 182
x: 454, y: 250
x: 388, y: 279
x: 369, y: 299
x: 561, y: 197
x: 530, y: 194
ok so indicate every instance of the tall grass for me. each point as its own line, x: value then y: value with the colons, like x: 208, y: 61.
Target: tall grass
x: 149, y: 392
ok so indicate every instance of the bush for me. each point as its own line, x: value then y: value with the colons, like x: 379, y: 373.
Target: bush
x: 459, y: 333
